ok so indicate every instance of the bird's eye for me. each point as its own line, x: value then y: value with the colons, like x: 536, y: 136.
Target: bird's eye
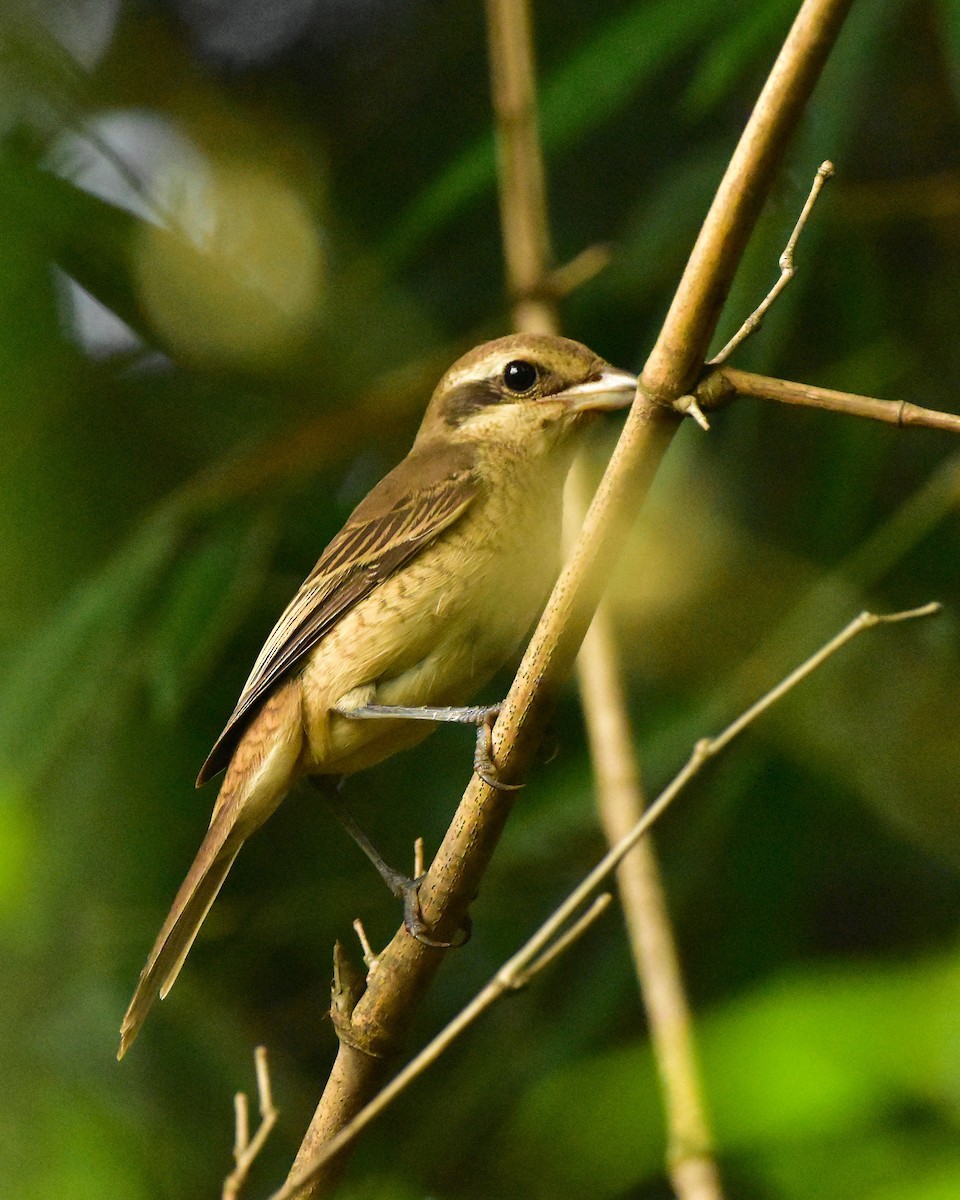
x: 520, y: 376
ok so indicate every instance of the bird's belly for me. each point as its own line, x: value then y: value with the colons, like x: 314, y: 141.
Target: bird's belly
x: 432, y: 635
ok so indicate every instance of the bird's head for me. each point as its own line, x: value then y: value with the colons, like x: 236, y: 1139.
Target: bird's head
x: 523, y: 387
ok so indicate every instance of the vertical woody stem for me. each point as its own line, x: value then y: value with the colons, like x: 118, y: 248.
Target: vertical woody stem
x: 620, y: 800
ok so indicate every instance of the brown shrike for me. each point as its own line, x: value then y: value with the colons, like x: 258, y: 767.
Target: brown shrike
x: 425, y: 593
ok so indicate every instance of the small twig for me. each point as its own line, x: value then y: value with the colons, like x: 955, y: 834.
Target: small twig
x: 787, y: 270
x: 370, y: 959
x: 677, y: 358
x: 722, y: 385
x: 245, y: 1149
x: 241, y: 1136
x: 552, y: 937
x: 418, y: 858
x: 689, y: 406
x: 707, y: 748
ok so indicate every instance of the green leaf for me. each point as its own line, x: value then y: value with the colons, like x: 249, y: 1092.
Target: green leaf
x: 18, y: 842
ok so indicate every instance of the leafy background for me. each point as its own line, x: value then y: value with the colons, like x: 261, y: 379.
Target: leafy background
x: 283, y: 221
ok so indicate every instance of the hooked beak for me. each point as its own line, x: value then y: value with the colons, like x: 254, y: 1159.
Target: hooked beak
x: 611, y: 390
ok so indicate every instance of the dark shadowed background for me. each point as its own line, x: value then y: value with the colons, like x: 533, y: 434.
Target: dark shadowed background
x: 240, y: 242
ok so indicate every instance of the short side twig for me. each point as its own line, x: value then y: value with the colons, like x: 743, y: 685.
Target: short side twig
x: 245, y: 1149
x: 787, y: 270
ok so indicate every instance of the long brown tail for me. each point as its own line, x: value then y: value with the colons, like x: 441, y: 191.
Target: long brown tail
x: 197, y: 892
x: 259, y: 776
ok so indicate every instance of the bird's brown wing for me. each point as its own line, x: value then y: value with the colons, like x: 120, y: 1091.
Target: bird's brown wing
x: 404, y: 513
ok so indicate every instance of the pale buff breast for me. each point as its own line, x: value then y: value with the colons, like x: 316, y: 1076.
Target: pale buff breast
x: 439, y: 629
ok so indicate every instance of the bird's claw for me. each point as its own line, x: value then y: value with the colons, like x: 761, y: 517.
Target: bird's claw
x: 483, y: 763
x: 408, y: 890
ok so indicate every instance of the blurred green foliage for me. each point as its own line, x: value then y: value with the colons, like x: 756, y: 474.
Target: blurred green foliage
x: 295, y: 220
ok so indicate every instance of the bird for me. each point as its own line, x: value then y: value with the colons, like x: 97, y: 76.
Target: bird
x: 426, y: 592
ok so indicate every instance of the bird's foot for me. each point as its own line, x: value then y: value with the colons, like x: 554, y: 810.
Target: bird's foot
x: 483, y: 762
x: 402, y: 886
x: 408, y: 891
x: 484, y: 717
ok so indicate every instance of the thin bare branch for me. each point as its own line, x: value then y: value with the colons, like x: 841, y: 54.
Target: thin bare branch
x: 722, y: 385
x: 513, y: 976
x: 540, y: 947
x: 787, y: 270
x: 245, y: 1149
x: 620, y: 800
x: 564, y: 941
x: 563, y: 281
x: 710, y: 747
x: 523, y: 204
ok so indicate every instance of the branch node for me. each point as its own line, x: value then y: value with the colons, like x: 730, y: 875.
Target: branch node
x: 714, y: 391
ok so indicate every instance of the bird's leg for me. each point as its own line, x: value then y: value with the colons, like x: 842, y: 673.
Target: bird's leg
x: 402, y: 886
x: 482, y: 716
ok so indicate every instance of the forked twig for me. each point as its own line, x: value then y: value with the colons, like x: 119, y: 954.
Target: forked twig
x: 553, y: 935
x: 245, y: 1149
x: 787, y: 270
